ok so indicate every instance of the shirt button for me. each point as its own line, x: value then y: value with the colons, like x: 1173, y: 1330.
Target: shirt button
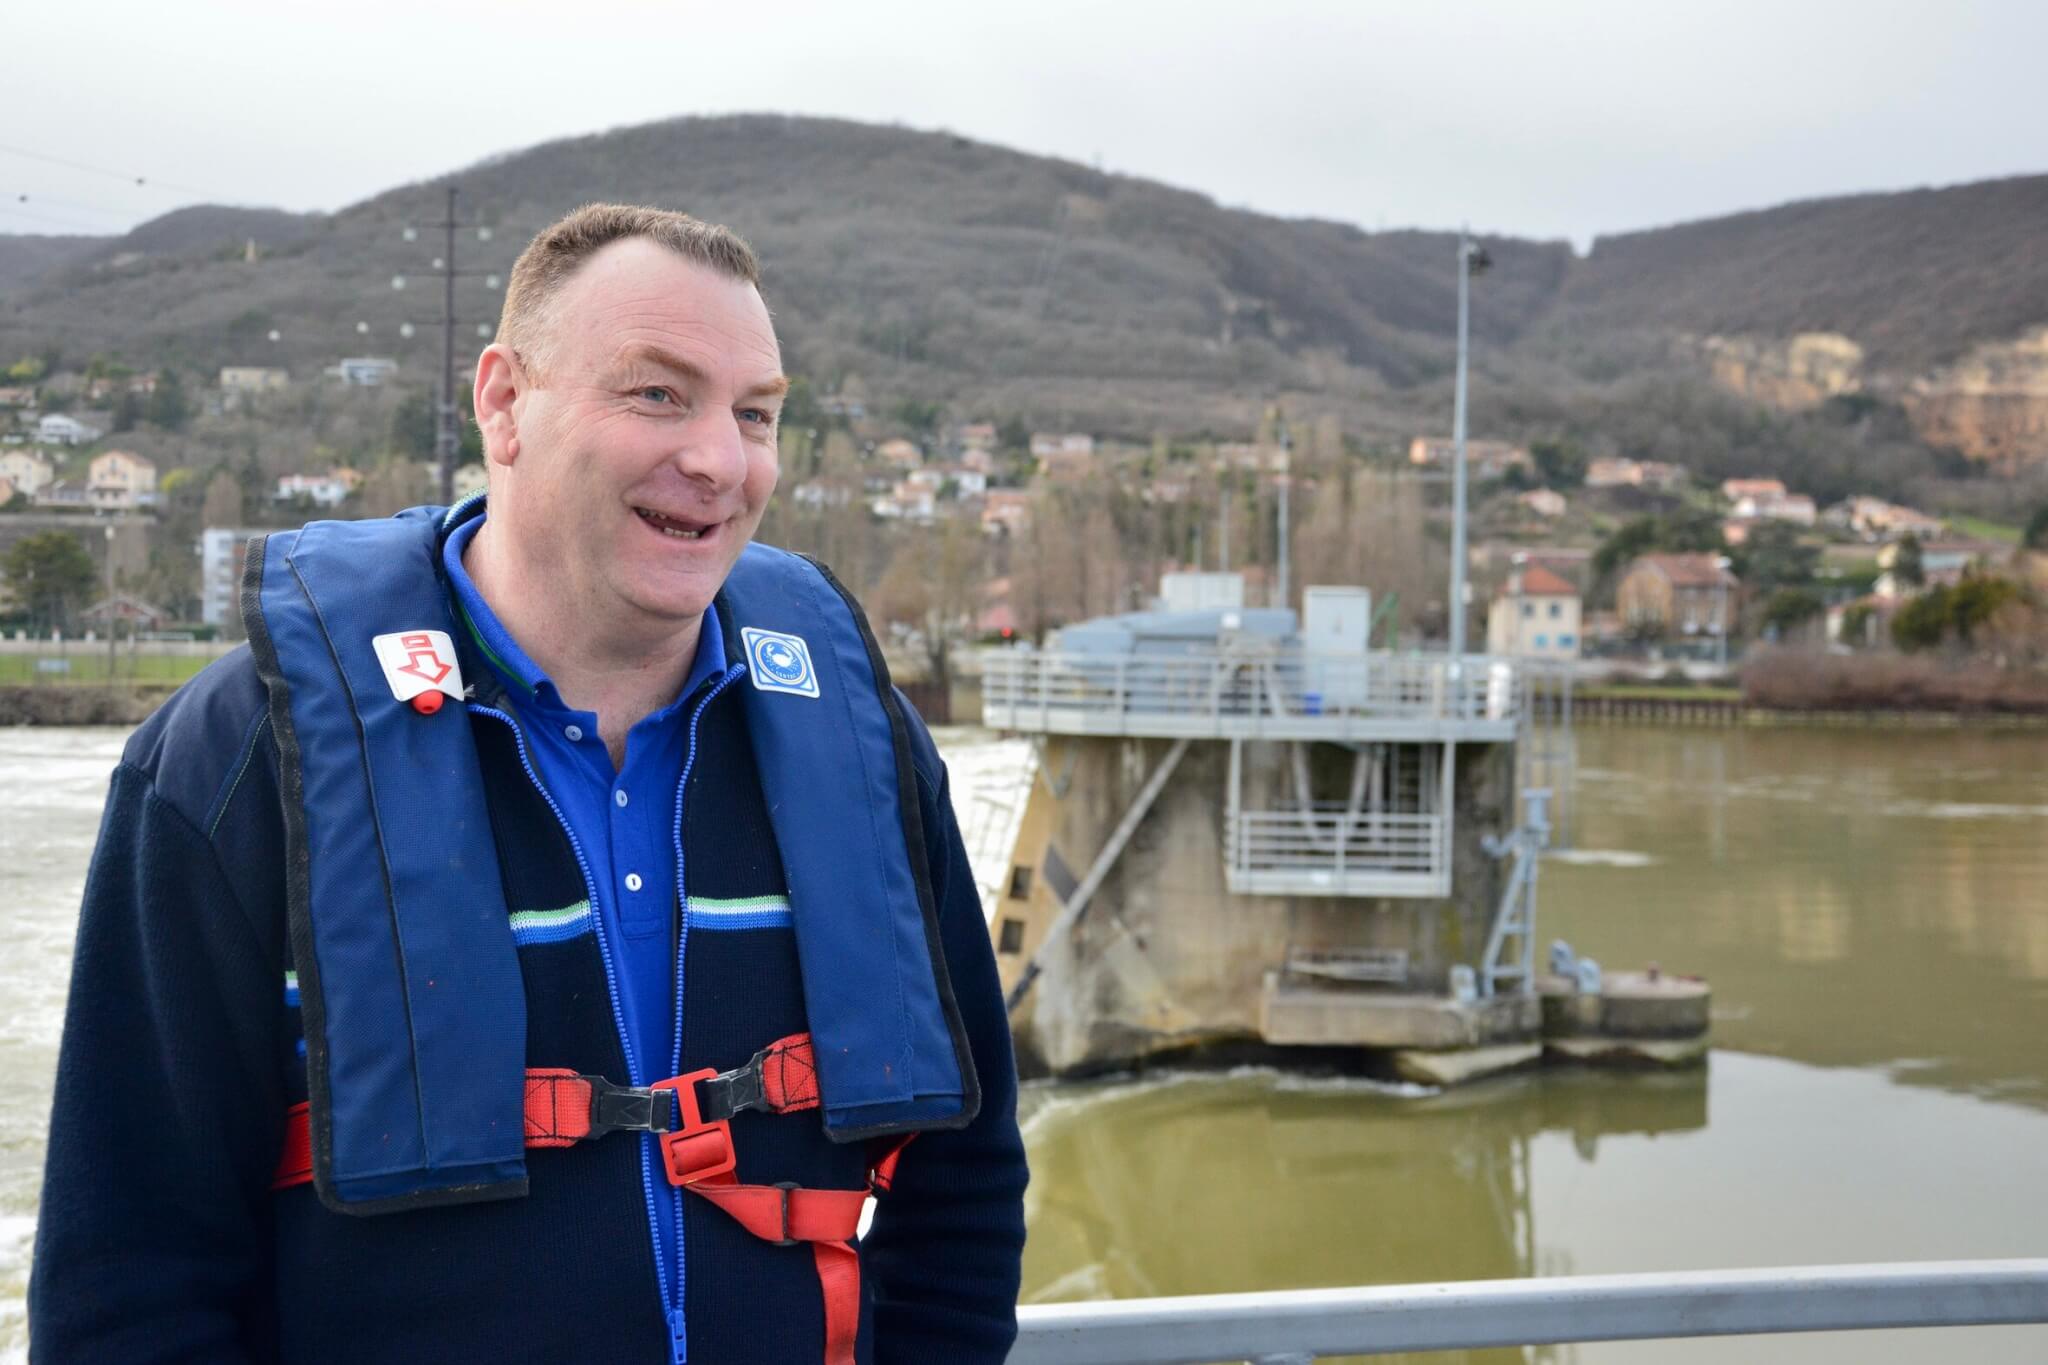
x: 633, y: 881
x: 619, y: 797
x: 574, y: 732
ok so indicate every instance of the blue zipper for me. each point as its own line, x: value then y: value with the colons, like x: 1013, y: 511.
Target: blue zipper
x: 675, y: 1061
x: 671, y: 1303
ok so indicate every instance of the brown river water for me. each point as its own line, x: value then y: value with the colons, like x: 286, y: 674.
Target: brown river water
x: 1868, y: 905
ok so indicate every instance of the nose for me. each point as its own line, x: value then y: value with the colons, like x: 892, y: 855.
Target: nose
x: 713, y: 453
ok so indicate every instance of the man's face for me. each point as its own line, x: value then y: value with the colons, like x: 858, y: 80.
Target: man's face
x: 647, y: 434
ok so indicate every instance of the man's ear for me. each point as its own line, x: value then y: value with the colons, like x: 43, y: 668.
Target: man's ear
x: 500, y: 383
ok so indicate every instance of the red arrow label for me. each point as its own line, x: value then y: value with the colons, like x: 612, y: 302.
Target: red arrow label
x: 422, y: 660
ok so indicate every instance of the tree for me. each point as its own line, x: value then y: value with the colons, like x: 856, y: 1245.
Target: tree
x: 168, y: 407
x: 1012, y: 434
x: 1559, y: 464
x: 933, y: 584
x: 1790, y: 608
x: 1774, y: 556
x: 1906, y: 563
x: 1679, y: 533
x: 1944, y: 614
x: 51, y: 575
x: 127, y: 410
x: 223, y: 506
x: 2037, y: 529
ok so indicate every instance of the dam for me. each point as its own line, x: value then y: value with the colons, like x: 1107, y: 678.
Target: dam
x: 1248, y: 829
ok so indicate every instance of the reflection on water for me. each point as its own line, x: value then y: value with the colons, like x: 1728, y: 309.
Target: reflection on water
x: 1869, y: 908
x: 1857, y: 898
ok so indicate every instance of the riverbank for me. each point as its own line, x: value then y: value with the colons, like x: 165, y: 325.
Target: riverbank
x: 1727, y: 707
x: 83, y: 703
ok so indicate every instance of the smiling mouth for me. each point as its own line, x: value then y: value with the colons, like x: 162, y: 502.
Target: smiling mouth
x: 674, y: 527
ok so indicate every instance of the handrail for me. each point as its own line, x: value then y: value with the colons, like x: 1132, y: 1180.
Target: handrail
x: 1292, y: 1327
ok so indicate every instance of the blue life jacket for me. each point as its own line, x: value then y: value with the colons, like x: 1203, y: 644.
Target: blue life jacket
x: 409, y: 981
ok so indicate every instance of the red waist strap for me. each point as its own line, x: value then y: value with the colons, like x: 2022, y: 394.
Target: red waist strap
x: 566, y: 1107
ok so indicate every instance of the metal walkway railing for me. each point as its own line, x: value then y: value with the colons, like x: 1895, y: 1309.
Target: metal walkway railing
x: 1297, y: 1326
x: 1217, y: 696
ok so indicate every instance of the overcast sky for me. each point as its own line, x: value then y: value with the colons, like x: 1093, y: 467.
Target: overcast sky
x: 1546, y: 118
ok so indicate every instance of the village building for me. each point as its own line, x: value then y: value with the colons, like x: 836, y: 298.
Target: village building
x: 28, y: 473
x: 121, y: 479
x: 1943, y: 563
x: 1735, y: 490
x: 1536, y: 615
x: 363, y: 371
x: 1876, y: 519
x: 978, y: 460
x: 56, y: 429
x: 1685, y: 594
x: 221, y: 551
x: 1483, y: 459
x: 978, y: 435
x: 6, y: 490
x: 1544, y: 502
x: 817, y: 493
x: 322, y: 490
x: 17, y: 396
x: 1618, y: 472
x: 253, y: 379
x: 1006, y: 511
x: 122, y: 611
x: 899, y: 454
x: 1796, y: 508
x: 1046, y: 445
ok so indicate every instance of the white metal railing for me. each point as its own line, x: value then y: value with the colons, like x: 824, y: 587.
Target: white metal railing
x: 1331, y: 849
x: 1225, y: 694
x: 1297, y: 1326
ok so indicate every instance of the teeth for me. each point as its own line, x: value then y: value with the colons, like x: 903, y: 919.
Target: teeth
x: 660, y: 523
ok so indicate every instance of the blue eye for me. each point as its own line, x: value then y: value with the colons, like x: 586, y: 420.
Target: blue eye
x: 660, y: 395
x: 759, y: 415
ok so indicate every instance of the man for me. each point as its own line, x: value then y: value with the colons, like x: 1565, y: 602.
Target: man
x: 625, y: 935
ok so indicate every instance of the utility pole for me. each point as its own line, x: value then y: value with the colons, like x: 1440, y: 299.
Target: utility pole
x: 447, y: 406
x: 1471, y: 260
x: 1225, y: 490
x: 1286, y: 481
x: 446, y: 441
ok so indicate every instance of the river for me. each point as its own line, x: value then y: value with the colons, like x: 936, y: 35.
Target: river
x: 1869, y: 906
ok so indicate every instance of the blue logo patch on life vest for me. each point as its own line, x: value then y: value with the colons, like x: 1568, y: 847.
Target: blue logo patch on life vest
x: 779, y: 663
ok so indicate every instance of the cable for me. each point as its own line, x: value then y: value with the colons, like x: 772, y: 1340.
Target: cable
x: 140, y: 181
x: 89, y: 229
x: 39, y: 200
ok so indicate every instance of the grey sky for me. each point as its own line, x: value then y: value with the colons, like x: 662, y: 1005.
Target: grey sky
x: 1543, y: 118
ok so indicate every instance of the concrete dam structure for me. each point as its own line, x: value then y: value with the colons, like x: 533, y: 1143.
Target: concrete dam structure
x: 1248, y: 828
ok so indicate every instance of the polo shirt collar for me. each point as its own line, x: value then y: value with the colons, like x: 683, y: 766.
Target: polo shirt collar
x: 514, y: 667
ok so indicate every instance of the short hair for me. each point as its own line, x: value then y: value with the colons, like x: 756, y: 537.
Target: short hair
x: 553, y: 257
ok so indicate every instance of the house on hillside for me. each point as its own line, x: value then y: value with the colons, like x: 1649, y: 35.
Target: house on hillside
x: 1483, y: 459
x: 1735, y: 490
x: 253, y: 379
x: 29, y: 474
x: 363, y: 371
x: 221, y: 550
x: 1876, y: 519
x: 1617, y: 472
x: 120, y: 479
x: 899, y: 454
x: 56, y: 429
x: 1942, y: 565
x: 322, y: 490
x: 977, y: 436
x: 1006, y: 511
x: 1543, y: 502
x: 1688, y: 594
x: 1047, y: 445
x: 1536, y: 615
x: 6, y: 490
x: 1796, y: 508
x: 17, y: 396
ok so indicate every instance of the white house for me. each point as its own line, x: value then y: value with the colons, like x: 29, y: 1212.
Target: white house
x: 253, y: 379
x: 322, y: 490
x: 221, y: 549
x: 59, y: 430
x: 1536, y: 615
x: 364, y: 371
x: 28, y: 473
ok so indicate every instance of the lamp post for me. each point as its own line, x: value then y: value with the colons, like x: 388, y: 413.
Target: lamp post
x: 1721, y: 563
x: 110, y: 603
x: 1472, y: 259
x: 1286, y: 443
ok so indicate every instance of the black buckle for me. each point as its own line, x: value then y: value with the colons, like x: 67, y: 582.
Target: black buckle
x: 785, y: 1186
x: 730, y: 1092
x: 628, y: 1108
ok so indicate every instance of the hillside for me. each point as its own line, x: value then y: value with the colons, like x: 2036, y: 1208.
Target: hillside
x: 927, y: 265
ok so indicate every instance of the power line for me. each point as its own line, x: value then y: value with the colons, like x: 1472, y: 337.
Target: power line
x: 139, y: 181
x: 38, y: 199
x: 91, y: 229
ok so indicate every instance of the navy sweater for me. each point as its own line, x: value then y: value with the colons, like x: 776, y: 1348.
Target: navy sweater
x: 160, y: 1239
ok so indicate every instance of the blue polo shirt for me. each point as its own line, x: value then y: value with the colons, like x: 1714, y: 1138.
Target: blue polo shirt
x: 626, y: 821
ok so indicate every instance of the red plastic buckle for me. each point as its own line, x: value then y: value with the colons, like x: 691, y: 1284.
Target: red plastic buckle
x: 696, y: 1151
